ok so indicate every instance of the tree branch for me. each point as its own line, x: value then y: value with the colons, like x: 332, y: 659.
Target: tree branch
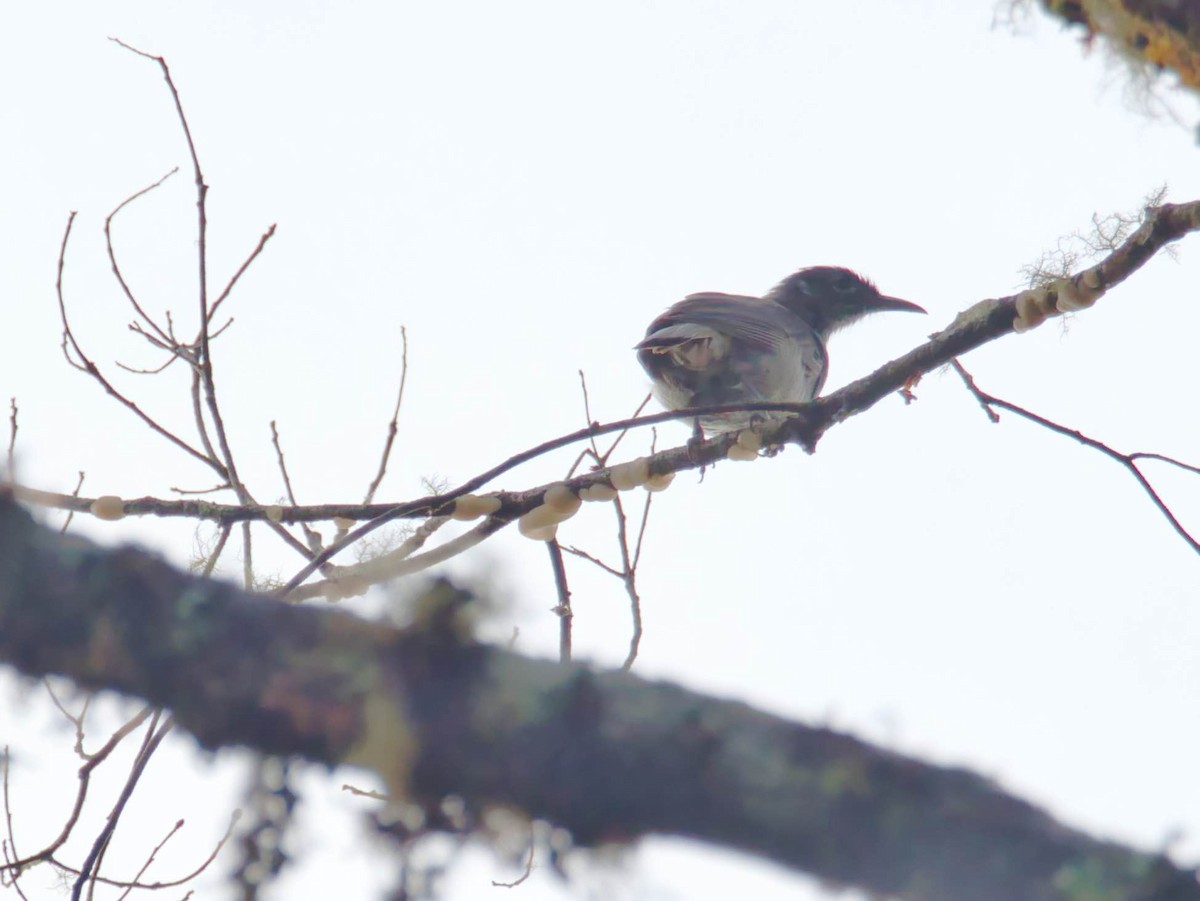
x: 607, y: 755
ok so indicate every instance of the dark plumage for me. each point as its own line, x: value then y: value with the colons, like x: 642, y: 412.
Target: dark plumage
x: 713, y: 348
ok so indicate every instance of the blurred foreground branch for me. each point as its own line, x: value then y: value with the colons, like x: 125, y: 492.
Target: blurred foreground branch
x: 607, y: 755
x: 1164, y: 34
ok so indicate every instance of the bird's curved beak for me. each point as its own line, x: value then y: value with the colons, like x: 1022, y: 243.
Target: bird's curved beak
x: 883, y: 302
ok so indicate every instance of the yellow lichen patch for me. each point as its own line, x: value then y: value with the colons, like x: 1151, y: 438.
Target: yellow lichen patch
x: 386, y: 744
x: 274, y: 513
x: 109, y: 507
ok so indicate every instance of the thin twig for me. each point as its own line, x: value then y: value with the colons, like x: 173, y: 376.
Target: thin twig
x: 1126, y: 460
x: 149, y: 860
x: 393, y: 426
x: 563, y: 609
x: 283, y: 471
x: 203, y: 363
x: 162, y: 884
x: 637, y: 551
x: 71, y: 514
x: 153, y: 740
x: 1143, y: 455
x: 629, y: 579
x: 314, y: 539
x: 213, y: 489
x: 10, y: 844
x: 579, y: 552
x: 84, y: 776
x: 258, y: 249
x: 85, y: 364
x: 222, y: 538
x: 603, y: 458
x: 112, y: 257
x: 12, y: 436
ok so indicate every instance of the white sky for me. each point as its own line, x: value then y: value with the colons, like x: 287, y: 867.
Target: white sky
x: 524, y: 186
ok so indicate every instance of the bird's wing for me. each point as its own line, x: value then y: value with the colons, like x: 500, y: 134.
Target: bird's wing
x: 725, y: 348
x: 761, y: 324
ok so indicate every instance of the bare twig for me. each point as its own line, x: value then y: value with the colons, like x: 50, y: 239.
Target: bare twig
x: 85, y: 773
x: 10, y: 873
x: 71, y: 514
x: 12, y: 436
x: 163, y: 337
x: 393, y: 424
x: 314, y: 539
x: 82, y: 362
x: 149, y: 860
x: 258, y: 249
x: 152, y: 741
x: 584, y: 555
x: 629, y: 578
x: 222, y: 538
x: 563, y: 609
x: 1129, y: 461
x: 225, y: 462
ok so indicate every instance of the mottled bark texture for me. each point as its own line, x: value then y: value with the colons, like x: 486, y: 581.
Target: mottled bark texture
x: 1162, y: 33
x: 605, y: 754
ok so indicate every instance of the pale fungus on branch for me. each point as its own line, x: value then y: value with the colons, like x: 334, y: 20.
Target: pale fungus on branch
x: 108, y: 507
x: 562, y: 499
x: 597, y: 492
x: 737, y: 452
x: 625, y: 476
x: 660, y: 482
x: 1078, y: 293
x: 473, y: 506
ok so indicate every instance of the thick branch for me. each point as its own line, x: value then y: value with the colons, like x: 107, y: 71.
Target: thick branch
x: 607, y: 755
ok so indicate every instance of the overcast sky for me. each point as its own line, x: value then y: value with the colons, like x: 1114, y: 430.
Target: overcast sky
x: 523, y: 186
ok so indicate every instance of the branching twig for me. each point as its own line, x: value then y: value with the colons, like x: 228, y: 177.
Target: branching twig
x: 71, y: 514
x: 393, y: 426
x: 314, y: 538
x: 164, y: 339
x: 222, y: 538
x: 153, y: 740
x: 85, y: 364
x: 1129, y: 461
x: 246, y: 263
x: 85, y: 773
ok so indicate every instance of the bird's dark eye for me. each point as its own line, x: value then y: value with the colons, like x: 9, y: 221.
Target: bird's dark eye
x: 843, y: 283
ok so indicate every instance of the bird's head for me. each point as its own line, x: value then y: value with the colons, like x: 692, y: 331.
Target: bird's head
x: 829, y: 298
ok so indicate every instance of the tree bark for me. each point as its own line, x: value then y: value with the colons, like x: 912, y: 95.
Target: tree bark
x: 607, y: 755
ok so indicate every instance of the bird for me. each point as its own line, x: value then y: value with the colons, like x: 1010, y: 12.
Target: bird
x: 713, y: 348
